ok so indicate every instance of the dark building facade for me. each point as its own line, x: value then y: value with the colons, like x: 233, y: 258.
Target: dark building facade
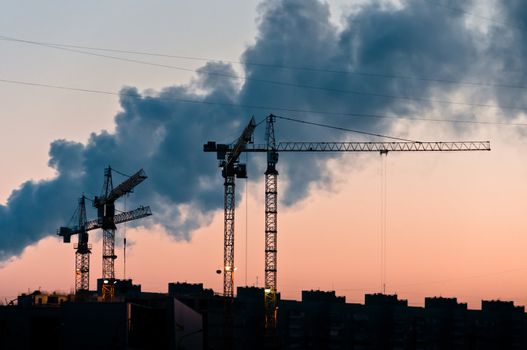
x: 190, y: 316
x: 142, y: 321
x: 323, y: 320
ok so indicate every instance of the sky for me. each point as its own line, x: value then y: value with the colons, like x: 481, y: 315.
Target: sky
x: 422, y: 70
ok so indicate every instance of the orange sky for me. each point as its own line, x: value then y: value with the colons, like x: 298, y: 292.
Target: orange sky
x: 455, y: 221
x: 455, y: 228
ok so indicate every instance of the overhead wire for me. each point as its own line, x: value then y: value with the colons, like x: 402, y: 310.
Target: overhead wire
x: 258, y: 107
x: 130, y: 60
x: 471, y: 14
x: 439, y: 281
x: 260, y: 64
x: 490, y: 274
x: 279, y: 83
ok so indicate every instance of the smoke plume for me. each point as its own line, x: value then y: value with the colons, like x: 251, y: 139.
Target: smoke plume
x: 164, y: 135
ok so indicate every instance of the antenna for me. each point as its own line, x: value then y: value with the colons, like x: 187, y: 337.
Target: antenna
x: 124, y: 240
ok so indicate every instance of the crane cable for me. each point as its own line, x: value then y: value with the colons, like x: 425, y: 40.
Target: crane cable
x: 124, y: 241
x: 383, y: 218
x: 121, y: 173
x: 246, y: 219
x: 345, y: 129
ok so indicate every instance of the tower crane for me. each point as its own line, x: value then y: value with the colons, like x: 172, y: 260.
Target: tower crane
x: 231, y: 168
x: 228, y: 157
x: 82, y: 248
x: 105, y: 205
x: 107, y: 220
x: 272, y: 149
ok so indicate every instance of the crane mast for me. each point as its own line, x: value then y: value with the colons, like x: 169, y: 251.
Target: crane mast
x: 232, y: 168
x: 228, y: 156
x: 271, y: 210
x: 82, y: 252
x: 105, y: 205
x: 106, y: 212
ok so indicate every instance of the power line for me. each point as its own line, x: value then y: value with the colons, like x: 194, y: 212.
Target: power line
x: 280, y: 83
x: 260, y: 107
x: 464, y: 278
x: 130, y: 60
x: 254, y: 63
x: 488, y: 19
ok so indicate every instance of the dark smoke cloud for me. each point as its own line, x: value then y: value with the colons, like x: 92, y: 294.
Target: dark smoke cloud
x: 165, y: 137
x: 412, y: 41
x: 505, y: 54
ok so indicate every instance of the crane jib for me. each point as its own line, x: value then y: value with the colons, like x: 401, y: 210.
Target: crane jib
x: 360, y: 147
x: 381, y: 146
x: 138, y: 213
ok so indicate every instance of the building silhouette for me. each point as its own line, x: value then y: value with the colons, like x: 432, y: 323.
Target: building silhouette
x: 190, y: 316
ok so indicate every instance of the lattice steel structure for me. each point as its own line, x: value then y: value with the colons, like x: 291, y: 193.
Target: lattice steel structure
x: 412, y: 146
x: 141, y: 212
x: 228, y: 236
x: 106, y: 213
x: 82, y: 252
x: 82, y: 268
x: 106, y: 220
x: 231, y: 168
x: 272, y: 148
x: 105, y: 205
x: 271, y: 227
